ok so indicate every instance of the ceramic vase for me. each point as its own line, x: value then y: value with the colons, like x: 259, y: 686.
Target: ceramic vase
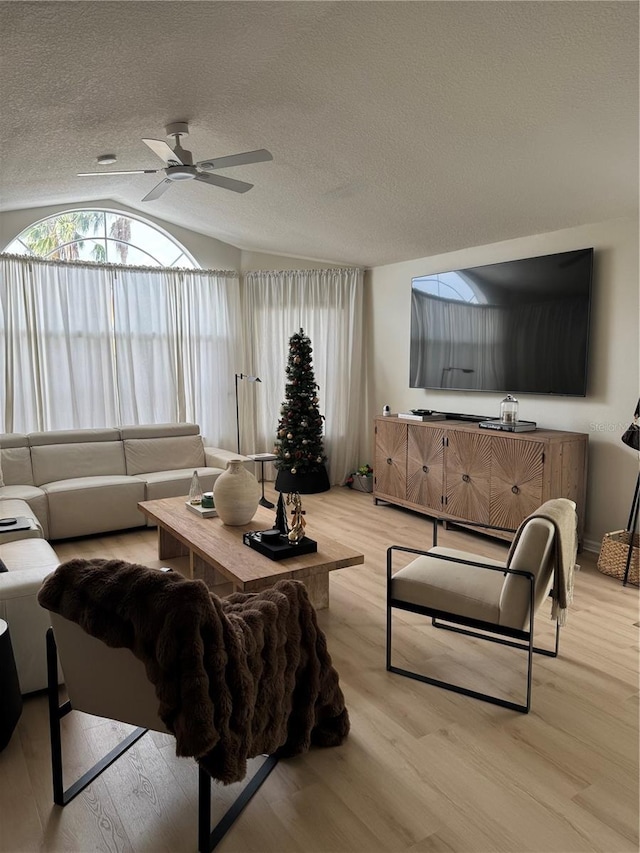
x: 236, y: 493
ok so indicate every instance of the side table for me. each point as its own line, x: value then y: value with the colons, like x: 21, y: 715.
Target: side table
x: 262, y: 458
x: 10, y: 697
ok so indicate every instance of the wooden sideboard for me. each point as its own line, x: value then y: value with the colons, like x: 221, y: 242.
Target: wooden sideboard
x: 456, y: 470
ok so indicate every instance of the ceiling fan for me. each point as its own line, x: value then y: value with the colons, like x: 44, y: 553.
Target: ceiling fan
x: 180, y: 166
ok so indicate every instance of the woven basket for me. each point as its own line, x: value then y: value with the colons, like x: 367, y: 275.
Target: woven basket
x: 613, y: 556
x: 362, y: 483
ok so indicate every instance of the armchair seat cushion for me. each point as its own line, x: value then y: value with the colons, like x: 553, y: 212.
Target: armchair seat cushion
x: 452, y: 587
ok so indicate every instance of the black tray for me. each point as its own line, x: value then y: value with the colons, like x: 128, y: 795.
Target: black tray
x: 281, y: 549
x: 19, y: 523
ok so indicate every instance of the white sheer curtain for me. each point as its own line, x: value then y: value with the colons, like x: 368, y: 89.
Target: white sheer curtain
x: 55, y: 346
x: 328, y: 305
x: 86, y: 345
x: 456, y: 344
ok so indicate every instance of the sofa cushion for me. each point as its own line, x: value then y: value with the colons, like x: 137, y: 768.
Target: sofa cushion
x: 87, y: 505
x: 15, y: 459
x: 172, y: 484
x: 67, y: 461
x: 146, y: 455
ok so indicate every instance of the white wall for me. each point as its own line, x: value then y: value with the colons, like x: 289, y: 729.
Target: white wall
x: 262, y: 261
x: 614, y: 368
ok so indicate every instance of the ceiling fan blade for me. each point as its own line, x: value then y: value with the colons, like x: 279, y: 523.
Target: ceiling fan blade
x: 125, y: 172
x: 259, y: 156
x: 164, y: 151
x: 158, y: 190
x: 225, y: 183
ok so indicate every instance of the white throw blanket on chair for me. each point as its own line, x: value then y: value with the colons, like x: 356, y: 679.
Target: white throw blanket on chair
x: 561, y: 513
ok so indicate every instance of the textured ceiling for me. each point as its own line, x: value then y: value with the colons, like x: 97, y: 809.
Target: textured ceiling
x: 398, y: 130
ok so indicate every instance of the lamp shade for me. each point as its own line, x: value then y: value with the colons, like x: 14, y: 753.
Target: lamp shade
x: 306, y: 484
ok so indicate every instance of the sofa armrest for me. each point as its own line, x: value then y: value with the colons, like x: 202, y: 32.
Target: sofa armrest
x: 22, y: 582
x: 33, y: 532
x: 28, y: 623
x: 215, y: 457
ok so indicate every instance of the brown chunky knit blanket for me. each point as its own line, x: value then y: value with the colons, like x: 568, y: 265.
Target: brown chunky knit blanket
x: 235, y: 677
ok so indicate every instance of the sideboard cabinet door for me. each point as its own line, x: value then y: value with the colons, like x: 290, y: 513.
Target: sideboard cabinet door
x: 467, y: 475
x: 517, y: 472
x: 425, y: 468
x: 390, y: 462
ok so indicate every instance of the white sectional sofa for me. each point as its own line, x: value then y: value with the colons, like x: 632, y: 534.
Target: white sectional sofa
x: 75, y: 483
x: 87, y: 481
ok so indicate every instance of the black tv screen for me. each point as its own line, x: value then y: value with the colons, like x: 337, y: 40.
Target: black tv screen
x: 514, y: 327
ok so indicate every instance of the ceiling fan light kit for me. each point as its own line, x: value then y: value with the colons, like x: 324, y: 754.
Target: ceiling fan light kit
x: 179, y: 165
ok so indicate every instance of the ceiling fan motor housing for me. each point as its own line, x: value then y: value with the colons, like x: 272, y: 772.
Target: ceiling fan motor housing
x: 181, y: 173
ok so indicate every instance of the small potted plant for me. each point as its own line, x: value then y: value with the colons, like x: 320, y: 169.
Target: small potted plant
x: 361, y: 480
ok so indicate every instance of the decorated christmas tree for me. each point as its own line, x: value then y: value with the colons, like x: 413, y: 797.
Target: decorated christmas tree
x: 299, y: 448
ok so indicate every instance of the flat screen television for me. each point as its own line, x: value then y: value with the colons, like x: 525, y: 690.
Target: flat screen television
x: 513, y: 327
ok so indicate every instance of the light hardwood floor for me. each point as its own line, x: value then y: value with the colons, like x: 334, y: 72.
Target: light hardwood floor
x: 423, y: 770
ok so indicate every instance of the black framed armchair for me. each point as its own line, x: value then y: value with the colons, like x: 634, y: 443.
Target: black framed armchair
x: 231, y: 679
x: 490, y: 599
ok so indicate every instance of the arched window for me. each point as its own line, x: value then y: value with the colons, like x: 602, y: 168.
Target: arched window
x: 101, y: 236
x: 449, y: 285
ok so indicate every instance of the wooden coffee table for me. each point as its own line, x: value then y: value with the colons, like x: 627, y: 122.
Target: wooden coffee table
x: 217, y: 553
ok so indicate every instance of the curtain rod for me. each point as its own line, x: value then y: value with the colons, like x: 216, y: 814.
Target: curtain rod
x: 30, y: 259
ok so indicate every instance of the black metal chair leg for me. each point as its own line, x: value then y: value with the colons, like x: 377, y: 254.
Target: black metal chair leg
x: 631, y: 527
x: 209, y: 839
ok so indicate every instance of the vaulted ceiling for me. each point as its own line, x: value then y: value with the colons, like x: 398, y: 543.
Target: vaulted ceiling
x: 398, y: 129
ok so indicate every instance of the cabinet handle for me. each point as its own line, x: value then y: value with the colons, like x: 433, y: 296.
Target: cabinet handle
x: 515, y: 490
x: 466, y: 478
x: 389, y: 460
x: 425, y: 468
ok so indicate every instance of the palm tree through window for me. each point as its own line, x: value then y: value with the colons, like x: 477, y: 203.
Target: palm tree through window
x: 100, y: 236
